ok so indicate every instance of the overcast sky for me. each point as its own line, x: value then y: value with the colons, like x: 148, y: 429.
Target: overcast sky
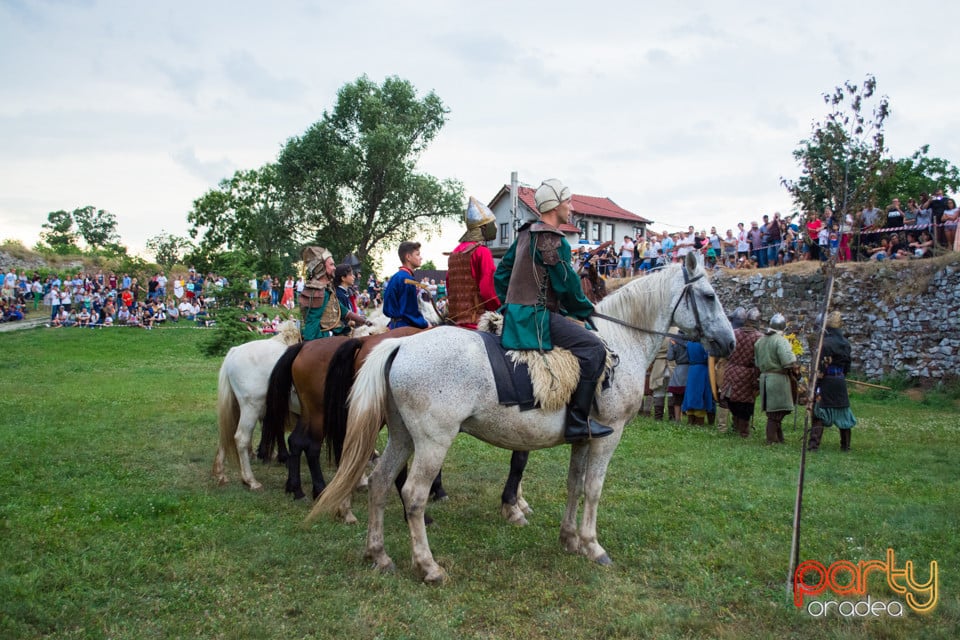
x: 682, y: 112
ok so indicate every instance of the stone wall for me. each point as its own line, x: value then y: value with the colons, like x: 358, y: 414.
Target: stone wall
x: 900, y: 317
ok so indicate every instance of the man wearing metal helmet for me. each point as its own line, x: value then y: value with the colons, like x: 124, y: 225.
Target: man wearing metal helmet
x: 741, y: 376
x: 470, y: 269
x: 832, y: 402
x: 319, y: 307
x: 539, y: 288
x: 777, y: 364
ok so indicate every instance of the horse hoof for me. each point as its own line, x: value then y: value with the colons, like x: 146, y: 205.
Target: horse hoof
x: 254, y: 486
x: 436, y: 576
x: 513, y: 515
x: 525, y: 508
x: 385, y: 566
x: 604, y: 560
x: 222, y: 480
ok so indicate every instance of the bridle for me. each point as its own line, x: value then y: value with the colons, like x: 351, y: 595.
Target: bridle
x: 684, y: 295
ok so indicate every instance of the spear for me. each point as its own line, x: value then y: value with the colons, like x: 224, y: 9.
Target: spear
x: 811, y: 393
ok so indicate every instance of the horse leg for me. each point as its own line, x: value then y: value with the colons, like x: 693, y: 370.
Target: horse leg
x: 243, y: 437
x: 510, y: 499
x: 401, y: 480
x: 218, y: 468
x: 416, y: 492
x: 399, y: 448
x: 569, y: 539
x: 316, y: 475
x: 437, y: 494
x: 591, y: 485
x: 298, y: 444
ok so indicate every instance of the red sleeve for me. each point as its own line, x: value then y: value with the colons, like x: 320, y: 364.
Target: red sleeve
x: 481, y: 263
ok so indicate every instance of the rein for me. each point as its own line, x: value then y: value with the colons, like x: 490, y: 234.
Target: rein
x: 687, y: 283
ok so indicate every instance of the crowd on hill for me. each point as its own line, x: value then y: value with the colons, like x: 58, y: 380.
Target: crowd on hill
x: 108, y: 299
x: 925, y: 225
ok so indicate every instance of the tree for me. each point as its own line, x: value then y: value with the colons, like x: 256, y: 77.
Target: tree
x: 97, y: 227
x: 353, y: 173
x: 909, y: 177
x: 842, y: 161
x: 248, y: 213
x: 59, y: 234
x: 168, y: 249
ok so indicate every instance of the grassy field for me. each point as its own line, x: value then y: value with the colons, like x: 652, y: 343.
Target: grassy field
x: 111, y: 526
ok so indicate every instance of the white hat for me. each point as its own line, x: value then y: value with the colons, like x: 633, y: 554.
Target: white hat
x: 550, y: 194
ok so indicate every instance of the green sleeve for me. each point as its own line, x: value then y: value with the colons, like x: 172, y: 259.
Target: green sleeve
x: 501, y: 278
x: 566, y: 284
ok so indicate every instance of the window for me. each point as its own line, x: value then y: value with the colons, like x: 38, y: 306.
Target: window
x: 596, y: 231
x: 504, y: 233
x: 611, y: 232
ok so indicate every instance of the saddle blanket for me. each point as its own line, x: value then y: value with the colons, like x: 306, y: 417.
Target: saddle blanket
x: 514, y: 386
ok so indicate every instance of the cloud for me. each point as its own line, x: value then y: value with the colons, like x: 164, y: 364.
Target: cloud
x: 252, y: 78
x: 209, y: 171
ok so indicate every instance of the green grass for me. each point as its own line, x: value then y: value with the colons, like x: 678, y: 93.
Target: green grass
x: 112, y: 527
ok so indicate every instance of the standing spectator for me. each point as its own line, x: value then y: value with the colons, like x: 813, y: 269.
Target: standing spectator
x: 54, y: 302
x: 774, y: 238
x: 658, y: 378
x: 729, y: 244
x: 287, y: 300
x: 832, y: 402
x: 937, y: 205
x: 757, y: 251
x: 950, y: 216
x: 625, y: 266
x: 895, y: 215
x: 776, y: 361
x: 743, y: 241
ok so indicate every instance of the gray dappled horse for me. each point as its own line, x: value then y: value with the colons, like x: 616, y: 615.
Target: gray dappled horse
x: 427, y: 396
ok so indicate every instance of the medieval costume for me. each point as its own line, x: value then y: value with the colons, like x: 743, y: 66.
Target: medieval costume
x: 401, y: 299
x: 833, y: 404
x: 776, y: 361
x: 540, y: 289
x: 319, y: 307
x: 741, y: 377
x: 698, y: 397
x: 470, y: 269
x: 677, y: 354
x: 658, y: 375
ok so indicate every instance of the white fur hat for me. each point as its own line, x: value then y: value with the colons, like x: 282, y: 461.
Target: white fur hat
x: 550, y: 194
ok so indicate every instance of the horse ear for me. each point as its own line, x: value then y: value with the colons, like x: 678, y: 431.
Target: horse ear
x: 692, y: 261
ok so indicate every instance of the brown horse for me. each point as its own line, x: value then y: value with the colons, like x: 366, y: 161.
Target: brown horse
x: 306, y: 366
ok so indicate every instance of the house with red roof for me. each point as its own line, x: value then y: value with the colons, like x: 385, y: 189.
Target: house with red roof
x: 595, y: 219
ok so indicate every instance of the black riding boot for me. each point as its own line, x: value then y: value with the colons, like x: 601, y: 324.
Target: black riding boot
x: 845, y: 439
x: 579, y: 425
x: 658, y: 408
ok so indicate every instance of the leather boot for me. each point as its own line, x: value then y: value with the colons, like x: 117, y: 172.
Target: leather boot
x: 816, y: 434
x: 579, y: 425
x: 771, y: 431
x: 845, y: 439
x: 658, y: 409
x: 743, y: 427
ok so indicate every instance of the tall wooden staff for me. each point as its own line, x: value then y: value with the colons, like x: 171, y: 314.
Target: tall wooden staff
x: 811, y: 394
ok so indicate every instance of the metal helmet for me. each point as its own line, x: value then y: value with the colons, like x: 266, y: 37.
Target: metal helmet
x: 315, y: 259
x: 739, y: 314
x: 778, y: 322
x: 476, y: 217
x: 753, y: 316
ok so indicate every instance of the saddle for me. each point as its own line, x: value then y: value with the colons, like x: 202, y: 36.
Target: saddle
x: 534, y: 379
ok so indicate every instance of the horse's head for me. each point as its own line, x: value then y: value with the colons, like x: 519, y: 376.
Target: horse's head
x: 698, y: 312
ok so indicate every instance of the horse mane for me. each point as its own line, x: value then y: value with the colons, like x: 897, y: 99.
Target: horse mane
x: 288, y: 333
x: 640, y: 300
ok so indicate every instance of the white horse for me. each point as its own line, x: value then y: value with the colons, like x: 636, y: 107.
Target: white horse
x: 379, y: 321
x: 433, y: 385
x: 241, y: 397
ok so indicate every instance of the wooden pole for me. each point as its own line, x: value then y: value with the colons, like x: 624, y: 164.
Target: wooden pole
x: 811, y: 394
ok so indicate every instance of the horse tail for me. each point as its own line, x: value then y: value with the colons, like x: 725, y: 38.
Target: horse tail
x: 368, y: 408
x: 228, y: 416
x: 278, y: 401
x: 339, y: 380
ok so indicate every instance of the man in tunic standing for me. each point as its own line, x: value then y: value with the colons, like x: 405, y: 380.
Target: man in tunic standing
x: 776, y: 362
